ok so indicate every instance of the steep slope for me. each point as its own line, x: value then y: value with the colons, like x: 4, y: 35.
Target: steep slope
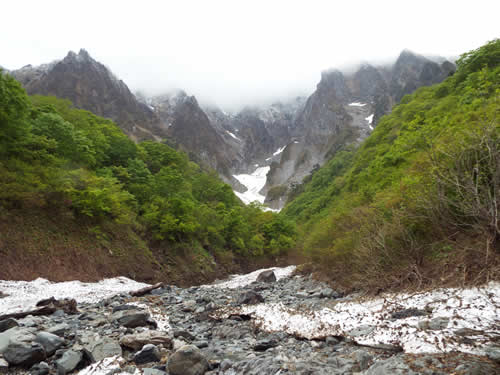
x: 90, y: 85
x: 416, y: 203
x: 345, y: 108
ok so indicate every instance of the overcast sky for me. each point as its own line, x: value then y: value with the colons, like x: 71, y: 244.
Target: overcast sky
x: 235, y: 52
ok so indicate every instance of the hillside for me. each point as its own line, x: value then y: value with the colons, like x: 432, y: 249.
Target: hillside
x: 78, y: 198
x: 417, y: 203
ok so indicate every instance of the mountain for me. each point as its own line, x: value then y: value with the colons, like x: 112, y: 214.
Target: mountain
x: 344, y: 109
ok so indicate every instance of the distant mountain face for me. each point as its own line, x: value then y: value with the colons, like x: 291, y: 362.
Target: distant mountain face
x: 92, y: 86
x: 292, y: 137
x: 345, y: 108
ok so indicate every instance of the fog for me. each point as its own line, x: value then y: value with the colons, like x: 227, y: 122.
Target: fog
x: 233, y: 53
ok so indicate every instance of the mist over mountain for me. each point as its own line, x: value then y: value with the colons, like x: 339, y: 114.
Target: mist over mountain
x: 289, y: 136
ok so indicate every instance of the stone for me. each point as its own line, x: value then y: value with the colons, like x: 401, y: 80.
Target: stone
x: 138, y: 340
x: 24, y: 354
x: 184, y: 334
x: 153, y: 371
x: 149, y: 353
x: 200, y: 344
x: 59, y: 329
x: 131, y: 318
x: 41, y: 368
x: 266, y: 276
x: 361, y: 331
x: 493, y: 353
x: 103, y: 348
x: 363, y: 359
x: 394, y: 365
x: 49, y: 341
x: 68, y: 362
x: 188, y: 360
x: 265, y: 344
x: 407, y: 313
x: 4, y: 366
x: 250, y: 298
x: 226, y: 364
x: 8, y: 324
x: 435, y: 324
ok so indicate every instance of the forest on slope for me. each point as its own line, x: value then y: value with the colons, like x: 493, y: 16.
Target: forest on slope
x: 417, y: 204
x: 77, y: 193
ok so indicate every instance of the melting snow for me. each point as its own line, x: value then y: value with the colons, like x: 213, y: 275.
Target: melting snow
x: 23, y: 295
x: 109, y: 365
x: 269, y: 158
x: 254, y: 183
x: 357, y: 104
x: 369, y: 119
x: 475, y: 308
x: 279, y: 150
x: 232, y: 135
x: 237, y: 281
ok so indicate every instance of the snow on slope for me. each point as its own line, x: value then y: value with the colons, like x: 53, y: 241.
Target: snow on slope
x: 23, y: 295
x: 369, y: 322
x: 254, y: 183
x: 237, y: 281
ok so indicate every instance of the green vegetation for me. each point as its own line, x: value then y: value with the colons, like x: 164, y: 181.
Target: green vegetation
x: 64, y: 160
x: 418, y: 201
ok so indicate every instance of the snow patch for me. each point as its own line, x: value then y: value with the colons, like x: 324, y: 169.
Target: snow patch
x: 109, y: 365
x: 357, y: 104
x: 279, y: 150
x: 23, y: 295
x: 369, y: 119
x: 269, y: 158
x: 232, y: 135
x: 156, y: 314
x: 254, y: 183
x: 237, y: 281
x: 477, y: 309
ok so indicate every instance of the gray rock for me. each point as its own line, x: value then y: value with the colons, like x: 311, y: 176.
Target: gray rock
x: 153, y: 371
x: 49, y: 341
x: 131, y: 318
x: 265, y: 344
x: 188, y: 360
x: 103, y: 348
x: 226, y: 364
x: 149, y: 353
x: 41, y: 368
x: 266, y: 276
x: 24, y: 354
x: 361, y: 331
x: 18, y: 334
x: 435, y: 324
x: 250, y: 298
x: 68, y: 362
x: 200, y: 344
x: 138, y: 340
x: 59, y: 329
x: 394, y: 365
x: 8, y: 324
x: 363, y: 359
x: 4, y: 366
x: 407, y: 313
x: 493, y: 353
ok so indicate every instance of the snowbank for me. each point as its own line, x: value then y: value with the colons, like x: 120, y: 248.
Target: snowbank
x: 237, y: 281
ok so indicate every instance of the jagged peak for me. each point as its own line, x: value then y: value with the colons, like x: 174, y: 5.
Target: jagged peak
x: 82, y: 56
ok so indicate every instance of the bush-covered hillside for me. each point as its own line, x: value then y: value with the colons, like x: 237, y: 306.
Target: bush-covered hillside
x: 418, y: 202
x: 82, y: 168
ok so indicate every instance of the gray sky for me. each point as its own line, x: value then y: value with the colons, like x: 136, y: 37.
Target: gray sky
x: 237, y: 52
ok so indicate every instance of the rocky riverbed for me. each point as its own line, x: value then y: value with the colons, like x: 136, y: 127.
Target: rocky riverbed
x: 261, y: 323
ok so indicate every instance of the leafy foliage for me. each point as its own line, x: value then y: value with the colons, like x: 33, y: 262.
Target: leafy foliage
x: 426, y: 176
x: 56, y: 156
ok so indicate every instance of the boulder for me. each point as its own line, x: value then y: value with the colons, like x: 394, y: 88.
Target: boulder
x: 68, y: 362
x: 435, y: 324
x: 8, y: 324
x: 49, y: 341
x: 4, y: 366
x: 24, y: 354
x: 131, y: 318
x: 103, y: 348
x: 188, y: 360
x: 41, y: 368
x: 138, y: 340
x: 266, y: 276
x: 250, y: 298
x: 149, y: 353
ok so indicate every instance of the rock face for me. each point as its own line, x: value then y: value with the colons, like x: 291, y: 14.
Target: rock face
x: 92, y: 86
x: 345, y: 108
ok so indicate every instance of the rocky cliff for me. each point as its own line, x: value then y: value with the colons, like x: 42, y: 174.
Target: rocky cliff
x: 92, y: 86
x: 344, y: 109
